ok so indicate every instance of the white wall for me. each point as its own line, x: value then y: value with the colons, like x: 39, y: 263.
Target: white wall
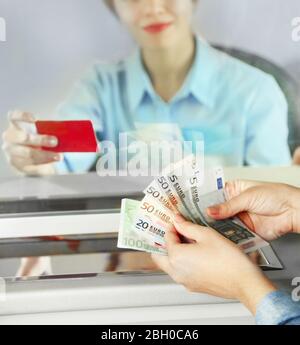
x: 51, y: 42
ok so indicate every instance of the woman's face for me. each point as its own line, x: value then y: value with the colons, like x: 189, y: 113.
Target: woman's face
x: 156, y: 23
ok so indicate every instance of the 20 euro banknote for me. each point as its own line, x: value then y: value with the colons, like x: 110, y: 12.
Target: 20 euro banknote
x: 128, y: 236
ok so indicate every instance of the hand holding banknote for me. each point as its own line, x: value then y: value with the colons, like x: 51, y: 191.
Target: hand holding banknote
x: 199, y: 233
x: 269, y: 209
x: 212, y: 265
x: 181, y: 189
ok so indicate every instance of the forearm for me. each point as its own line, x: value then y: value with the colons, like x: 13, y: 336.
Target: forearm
x: 269, y: 305
x: 253, y: 290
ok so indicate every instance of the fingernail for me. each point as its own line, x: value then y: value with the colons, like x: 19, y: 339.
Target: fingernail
x: 214, y: 210
x: 57, y: 157
x: 53, y: 142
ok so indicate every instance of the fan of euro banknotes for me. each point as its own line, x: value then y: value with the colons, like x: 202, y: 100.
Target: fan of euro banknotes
x: 183, y: 188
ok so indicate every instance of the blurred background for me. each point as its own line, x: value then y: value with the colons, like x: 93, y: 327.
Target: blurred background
x: 50, y: 44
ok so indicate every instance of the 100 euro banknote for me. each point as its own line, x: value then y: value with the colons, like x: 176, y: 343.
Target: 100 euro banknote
x: 129, y: 238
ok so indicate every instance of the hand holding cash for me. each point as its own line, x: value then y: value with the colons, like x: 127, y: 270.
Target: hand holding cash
x: 186, y: 190
x: 211, y: 264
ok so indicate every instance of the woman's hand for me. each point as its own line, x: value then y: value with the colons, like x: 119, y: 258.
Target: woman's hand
x: 269, y: 209
x: 212, y: 265
x: 22, y: 149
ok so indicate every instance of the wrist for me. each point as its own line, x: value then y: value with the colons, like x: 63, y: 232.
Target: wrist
x: 253, y: 290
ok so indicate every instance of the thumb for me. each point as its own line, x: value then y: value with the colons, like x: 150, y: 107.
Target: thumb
x: 231, y: 207
x: 187, y: 229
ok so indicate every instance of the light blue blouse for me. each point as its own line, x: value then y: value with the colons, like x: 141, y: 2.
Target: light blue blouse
x: 239, y: 110
x: 278, y: 308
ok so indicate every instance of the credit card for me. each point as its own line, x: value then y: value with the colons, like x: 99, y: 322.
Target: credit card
x: 73, y: 136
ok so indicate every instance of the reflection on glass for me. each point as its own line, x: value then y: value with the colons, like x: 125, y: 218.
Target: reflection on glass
x: 175, y: 78
x: 80, y: 264
x: 175, y: 86
x: 77, y: 265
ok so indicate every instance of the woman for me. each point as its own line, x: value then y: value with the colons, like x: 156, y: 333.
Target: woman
x: 173, y: 78
x: 214, y: 265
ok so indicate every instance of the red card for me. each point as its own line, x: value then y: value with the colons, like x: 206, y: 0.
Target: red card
x: 73, y: 136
